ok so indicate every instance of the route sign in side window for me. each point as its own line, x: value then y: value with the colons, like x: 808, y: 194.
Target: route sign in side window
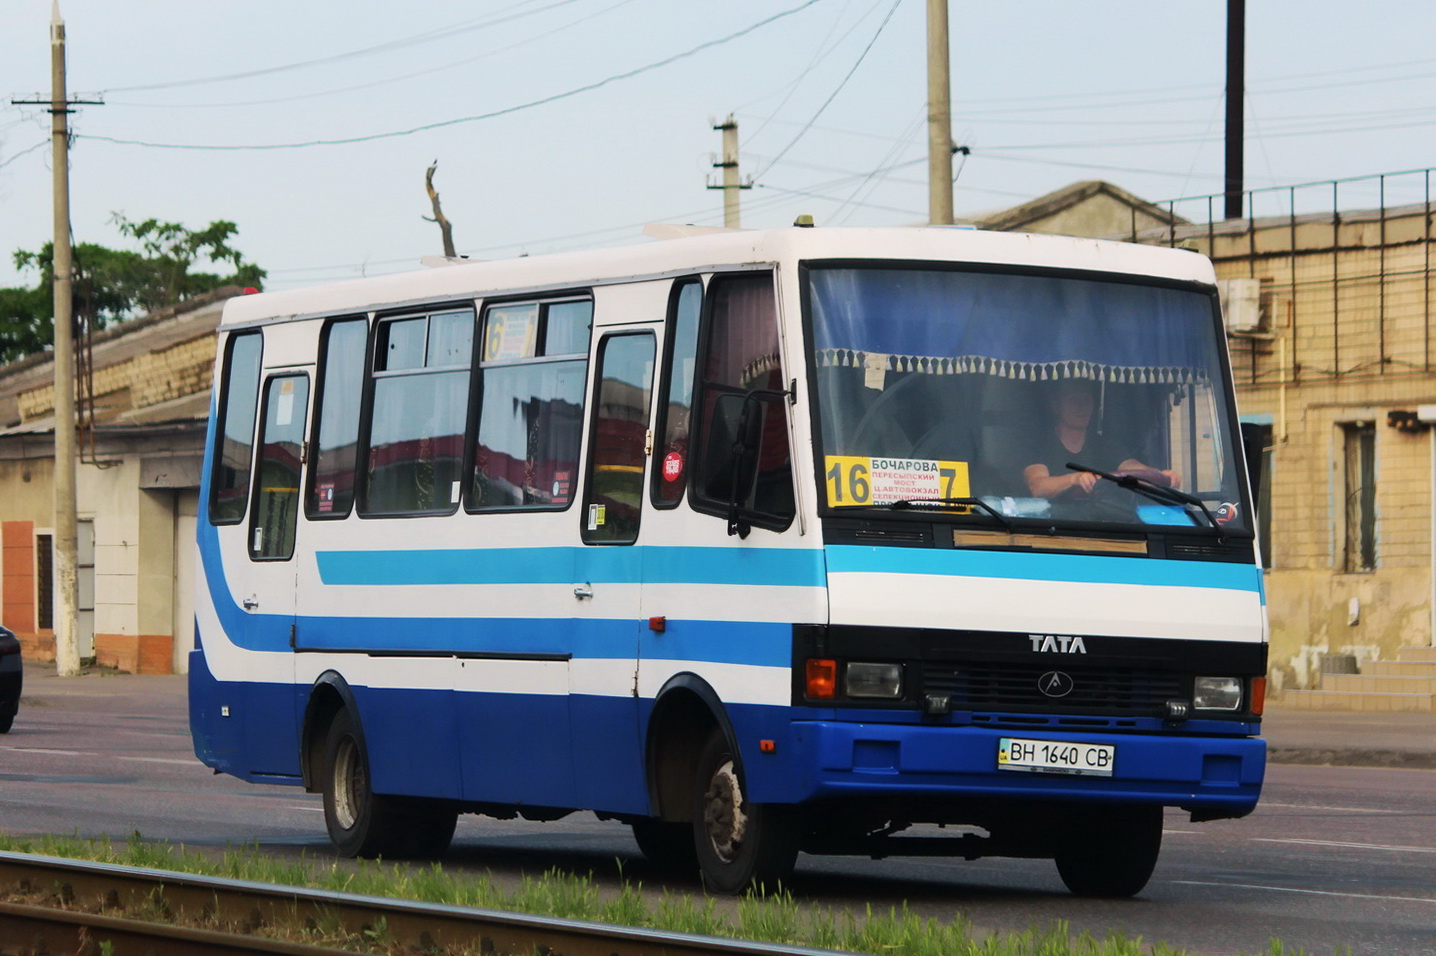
x: 234, y: 433
x: 279, y: 468
x: 618, y: 447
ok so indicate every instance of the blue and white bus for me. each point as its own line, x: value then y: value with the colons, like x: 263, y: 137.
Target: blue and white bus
x: 757, y: 542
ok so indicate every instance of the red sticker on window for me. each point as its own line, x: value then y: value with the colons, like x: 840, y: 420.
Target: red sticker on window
x: 672, y: 466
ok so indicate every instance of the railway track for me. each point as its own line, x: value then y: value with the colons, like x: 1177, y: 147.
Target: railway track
x: 75, y: 906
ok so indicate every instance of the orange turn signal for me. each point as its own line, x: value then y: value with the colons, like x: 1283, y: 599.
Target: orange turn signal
x: 1258, y: 702
x: 822, y: 678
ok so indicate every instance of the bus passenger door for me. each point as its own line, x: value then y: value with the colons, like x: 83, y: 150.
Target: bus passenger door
x: 268, y: 597
x: 607, y: 755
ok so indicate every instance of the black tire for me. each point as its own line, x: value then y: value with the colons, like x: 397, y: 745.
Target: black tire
x: 6, y: 722
x: 362, y: 823
x: 1111, y: 853
x: 668, y: 846
x: 738, y: 844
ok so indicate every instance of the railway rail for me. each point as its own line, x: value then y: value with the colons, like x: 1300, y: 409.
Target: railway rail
x: 221, y: 916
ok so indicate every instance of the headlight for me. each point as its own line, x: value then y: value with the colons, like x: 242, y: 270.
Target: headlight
x: 873, y: 680
x: 1216, y: 693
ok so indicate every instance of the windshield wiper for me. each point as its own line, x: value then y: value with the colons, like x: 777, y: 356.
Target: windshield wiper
x: 907, y: 503
x: 1150, y: 489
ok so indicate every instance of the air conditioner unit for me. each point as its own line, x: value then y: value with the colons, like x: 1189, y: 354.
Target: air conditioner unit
x: 1241, y: 304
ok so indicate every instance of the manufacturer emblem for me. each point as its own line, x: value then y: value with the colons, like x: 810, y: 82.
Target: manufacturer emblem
x: 1055, y: 684
x: 1057, y: 644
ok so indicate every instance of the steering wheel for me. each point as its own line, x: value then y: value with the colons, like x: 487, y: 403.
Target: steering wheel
x: 881, y: 412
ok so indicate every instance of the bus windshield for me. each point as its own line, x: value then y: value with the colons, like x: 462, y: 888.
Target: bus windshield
x: 957, y: 384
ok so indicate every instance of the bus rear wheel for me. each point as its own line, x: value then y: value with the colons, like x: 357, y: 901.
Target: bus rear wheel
x: 1111, y: 853
x: 739, y: 844
x: 362, y: 823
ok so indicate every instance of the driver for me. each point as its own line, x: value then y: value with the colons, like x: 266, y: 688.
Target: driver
x: 1072, y: 407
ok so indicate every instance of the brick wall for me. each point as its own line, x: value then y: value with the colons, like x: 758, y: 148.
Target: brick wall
x: 180, y: 370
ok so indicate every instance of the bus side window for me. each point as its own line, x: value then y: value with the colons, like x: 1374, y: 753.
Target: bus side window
x: 340, y: 393
x: 234, y: 433
x: 419, y: 407
x: 614, y: 499
x: 532, y: 377
x: 276, y: 493
x: 670, y: 474
x: 742, y: 383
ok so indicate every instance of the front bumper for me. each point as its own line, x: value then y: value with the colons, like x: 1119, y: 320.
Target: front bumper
x: 861, y: 760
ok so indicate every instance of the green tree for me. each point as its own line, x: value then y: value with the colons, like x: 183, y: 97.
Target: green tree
x: 115, y: 284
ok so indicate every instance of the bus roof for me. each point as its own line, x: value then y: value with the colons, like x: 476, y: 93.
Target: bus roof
x: 693, y: 254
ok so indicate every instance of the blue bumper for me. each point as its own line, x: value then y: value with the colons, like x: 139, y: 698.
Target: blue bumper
x: 856, y: 760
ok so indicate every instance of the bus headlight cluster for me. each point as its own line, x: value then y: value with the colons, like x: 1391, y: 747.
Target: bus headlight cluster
x: 1216, y: 693
x: 873, y: 680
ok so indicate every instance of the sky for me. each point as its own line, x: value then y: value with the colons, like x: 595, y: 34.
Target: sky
x: 569, y: 124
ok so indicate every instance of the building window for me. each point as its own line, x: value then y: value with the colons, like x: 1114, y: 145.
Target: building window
x: 1359, y: 487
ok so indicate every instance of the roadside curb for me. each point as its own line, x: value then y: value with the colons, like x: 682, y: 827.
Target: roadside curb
x: 1352, y: 757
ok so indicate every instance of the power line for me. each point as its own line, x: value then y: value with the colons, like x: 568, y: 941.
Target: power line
x: 586, y: 88
x: 29, y: 149
x: 414, y: 40
x: 835, y: 92
x: 315, y: 94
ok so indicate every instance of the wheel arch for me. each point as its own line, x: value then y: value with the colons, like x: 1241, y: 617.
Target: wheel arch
x: 685, y: 711
x: 329, y: 695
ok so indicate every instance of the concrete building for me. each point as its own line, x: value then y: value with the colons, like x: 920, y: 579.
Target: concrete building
x: 1329, y: 315
x: 148, y: 383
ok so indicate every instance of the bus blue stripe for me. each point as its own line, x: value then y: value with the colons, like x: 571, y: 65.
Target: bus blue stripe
x: 563, y: 565
x: 1079, y: 568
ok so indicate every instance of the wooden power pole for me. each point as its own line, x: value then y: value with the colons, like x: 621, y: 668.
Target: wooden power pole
x: 939, y: 117
x: 66, y: 589
x: 67, y: 617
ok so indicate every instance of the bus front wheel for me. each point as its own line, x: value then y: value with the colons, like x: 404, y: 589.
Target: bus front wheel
x: 1111, y: 853
x: 363, y: 823
x: 739, y: 843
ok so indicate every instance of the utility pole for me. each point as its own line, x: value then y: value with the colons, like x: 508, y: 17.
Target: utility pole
x: 732, y: 183
x: 939, y: 117
x: 1236, y: 101
x: 67, y: 629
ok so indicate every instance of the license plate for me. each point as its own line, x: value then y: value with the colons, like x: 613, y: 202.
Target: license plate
x: 1055, y: 756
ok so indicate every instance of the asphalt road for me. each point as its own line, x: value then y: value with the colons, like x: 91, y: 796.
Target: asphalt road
x: 1334, y: 856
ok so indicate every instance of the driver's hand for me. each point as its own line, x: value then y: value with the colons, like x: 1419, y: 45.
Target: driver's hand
x: 1086, y: 480
x: 1174, y: 477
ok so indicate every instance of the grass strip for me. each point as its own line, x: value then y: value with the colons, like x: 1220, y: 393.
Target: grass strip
x: 774, y: 917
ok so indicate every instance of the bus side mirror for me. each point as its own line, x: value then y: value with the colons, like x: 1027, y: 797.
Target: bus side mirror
x: 735, y: 432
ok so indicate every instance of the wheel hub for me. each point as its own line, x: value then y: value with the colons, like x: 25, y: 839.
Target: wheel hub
x: 723, y: 814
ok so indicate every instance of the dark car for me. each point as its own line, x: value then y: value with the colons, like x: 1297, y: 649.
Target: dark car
x: 11, y: 677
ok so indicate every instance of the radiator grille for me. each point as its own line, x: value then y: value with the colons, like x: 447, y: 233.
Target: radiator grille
x: 1129, y: 691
